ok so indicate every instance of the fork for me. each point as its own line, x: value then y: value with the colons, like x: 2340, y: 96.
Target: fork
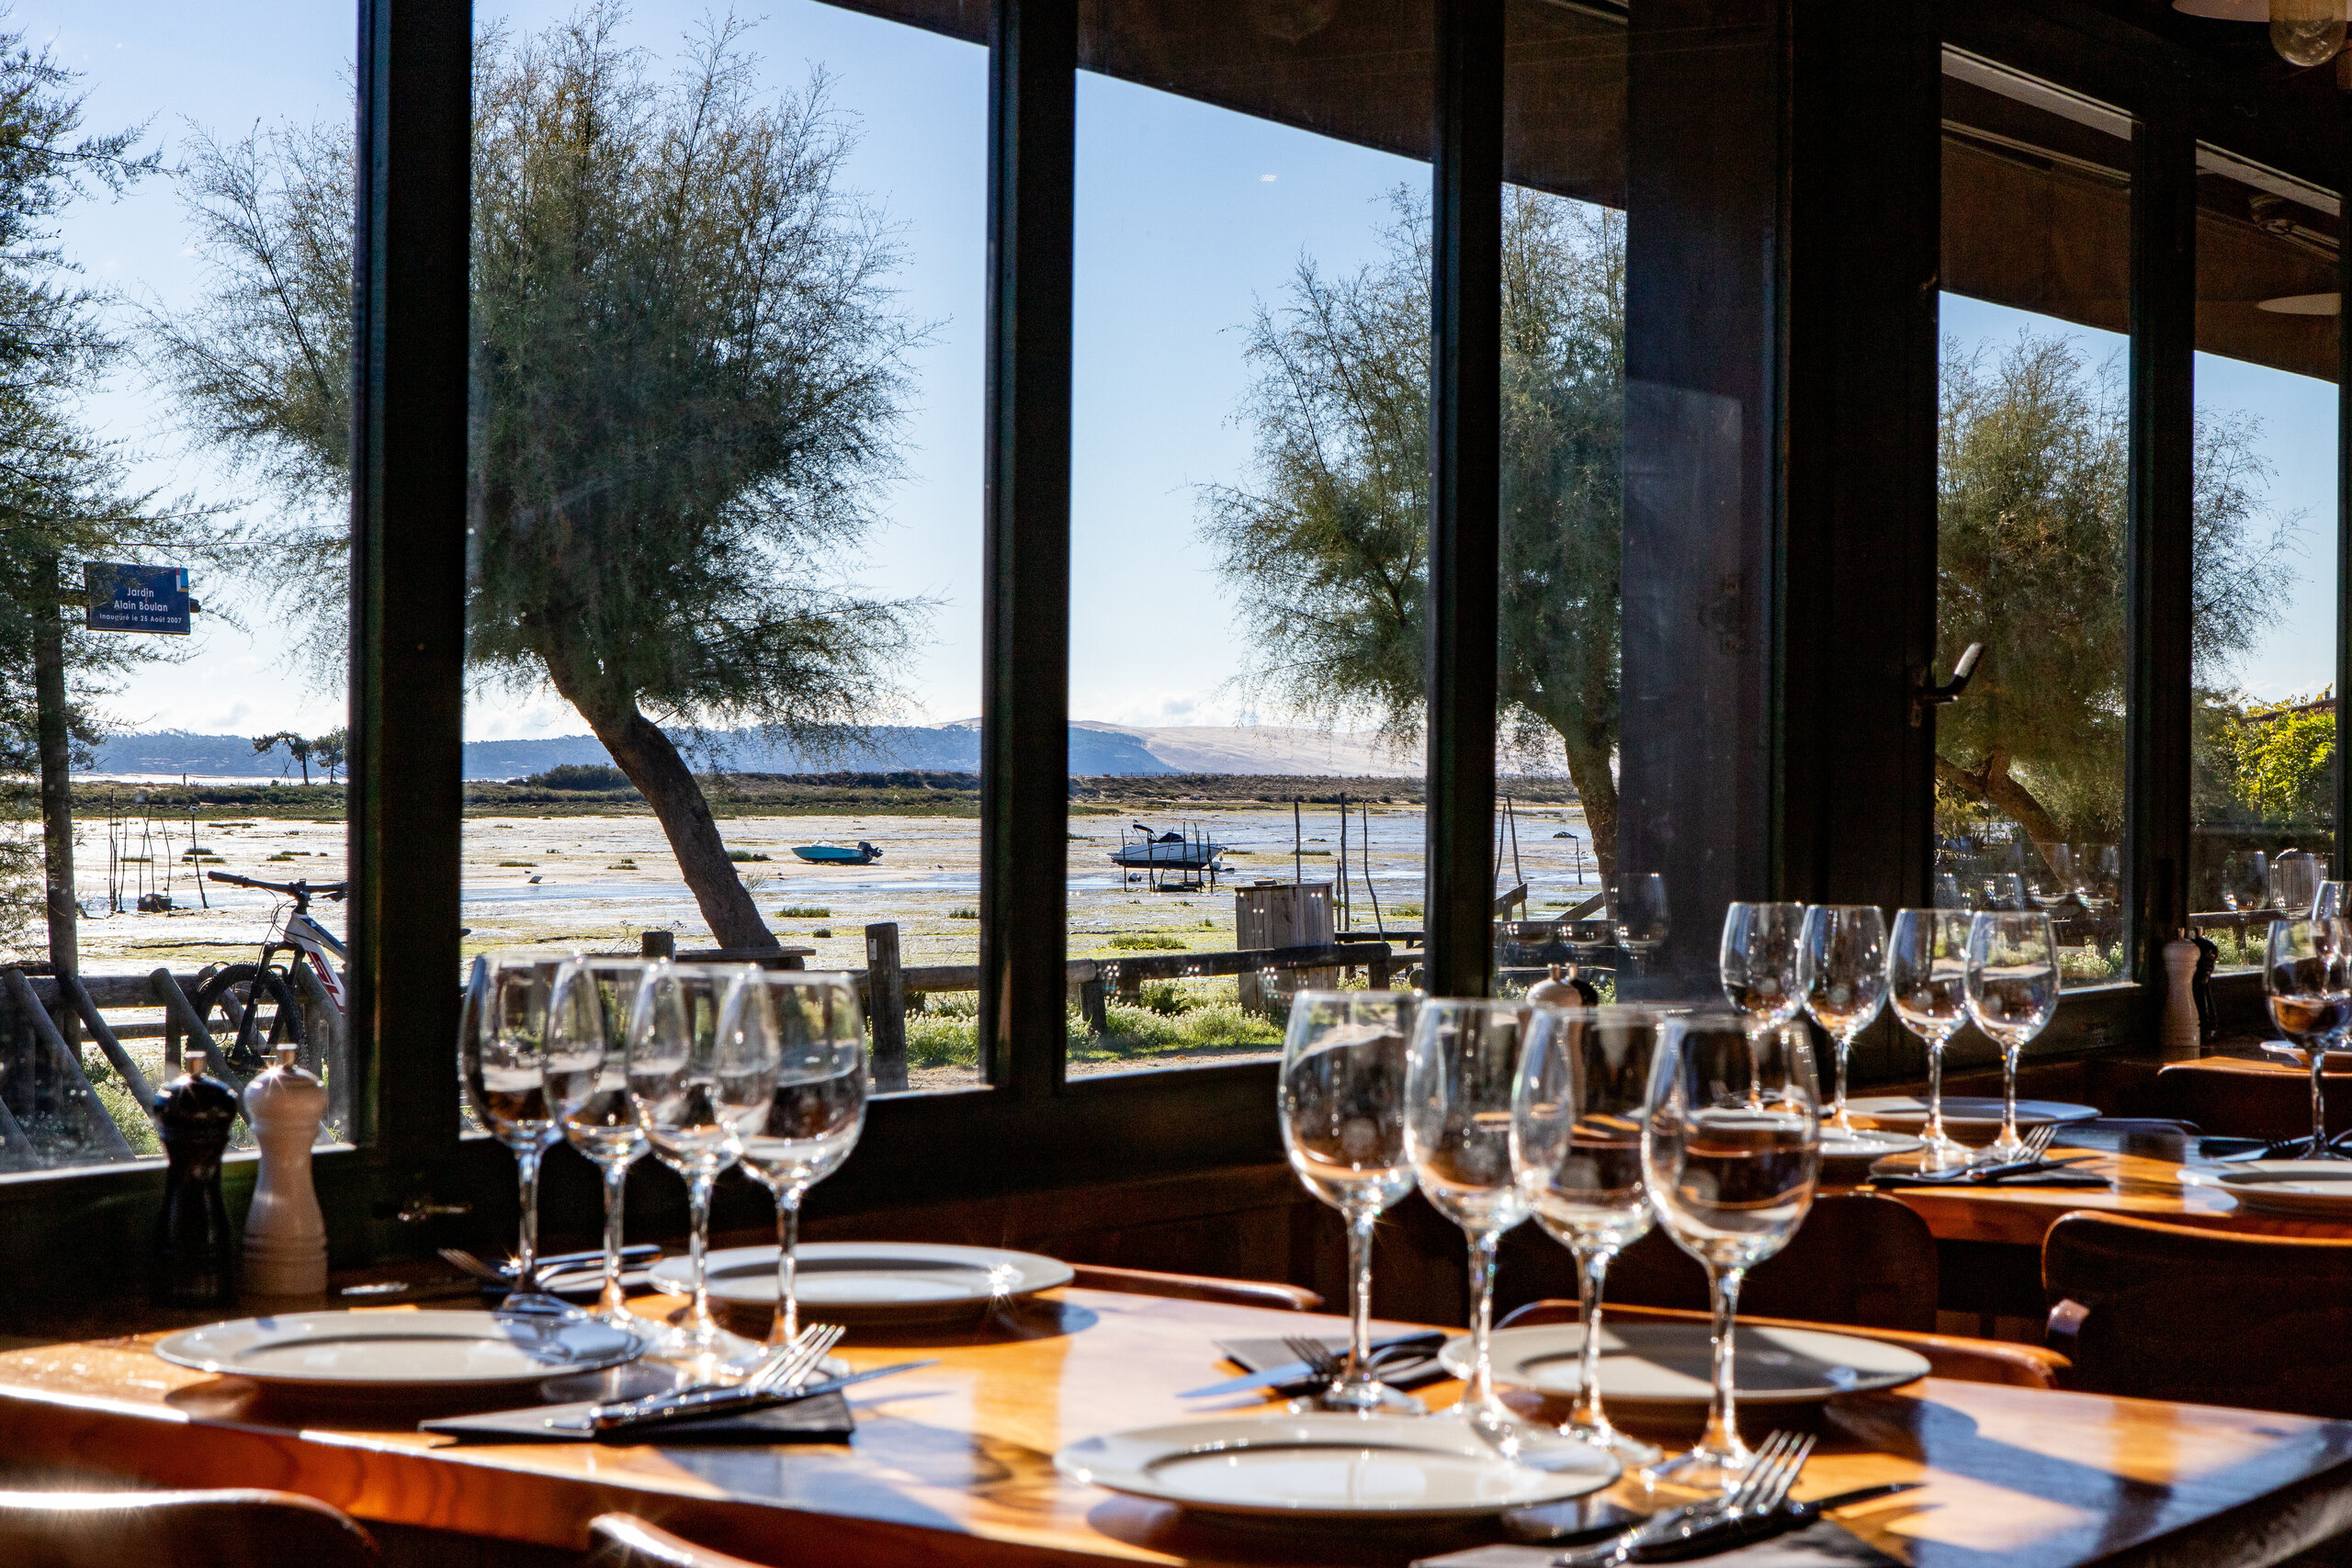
x: 1322, y: 1364
x: 2038, y: 1142
x: 790, y: 1366
x: 1772, y: 1470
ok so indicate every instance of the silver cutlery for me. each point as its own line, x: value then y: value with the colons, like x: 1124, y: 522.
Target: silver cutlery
x: 1763, y: 1525
x: 663, y: 1409
x: 1771, y: 1471
x: 1402, y: 1347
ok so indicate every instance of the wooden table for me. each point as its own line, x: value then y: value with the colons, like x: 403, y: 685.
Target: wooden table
x: 953, y: 1464
x: 2141, y: 1186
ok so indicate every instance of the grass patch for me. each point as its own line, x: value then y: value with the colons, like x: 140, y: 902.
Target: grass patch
x: 743, y: 856
x: 962, y: 914
x: 622, y: 865
x: 1170, y: 1021
x: 517, y: 862
x: 821, y: 930
x: 1148, y: 942
x: 803, y: 912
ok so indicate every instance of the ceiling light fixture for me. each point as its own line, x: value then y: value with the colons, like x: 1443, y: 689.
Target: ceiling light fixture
x: 2302, y: 304
x: 2304, y: 32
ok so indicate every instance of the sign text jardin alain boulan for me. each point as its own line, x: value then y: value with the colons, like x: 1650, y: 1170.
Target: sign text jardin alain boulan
x: 136, y: 598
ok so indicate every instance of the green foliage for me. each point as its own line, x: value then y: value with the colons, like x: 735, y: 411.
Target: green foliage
x: 580, y: 776
x: 2283, y: 761
x: 803, y: 912
x: 1146, y: 941
x: 744, y: 857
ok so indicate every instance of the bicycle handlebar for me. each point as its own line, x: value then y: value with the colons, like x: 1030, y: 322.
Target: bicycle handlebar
x: 301, y: 892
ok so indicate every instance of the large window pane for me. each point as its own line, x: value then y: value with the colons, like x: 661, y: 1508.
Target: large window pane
x: 2033, y: 449
x: 1249, y: 484
x: 727, y: 305
x: 2264, y: 791
x: 180, y: 398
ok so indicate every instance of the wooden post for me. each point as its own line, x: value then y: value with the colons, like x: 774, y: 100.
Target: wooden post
x: 1094, y: 1002
x: 657, y: 944
x: 53, y: 743
x: 887, y: 1001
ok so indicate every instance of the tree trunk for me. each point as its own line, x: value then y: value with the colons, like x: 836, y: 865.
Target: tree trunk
x: 1991, y: 783
x: 56, y: 783
x: 1596, y: 786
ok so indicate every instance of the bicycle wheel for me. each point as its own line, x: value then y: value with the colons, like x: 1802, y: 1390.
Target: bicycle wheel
x: 249, y: 1011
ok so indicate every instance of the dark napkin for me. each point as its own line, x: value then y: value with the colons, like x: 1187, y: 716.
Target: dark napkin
x: 1823, y: 1544
x: 2022, y: 1178
x: 1408, y: 1372
x: 824, y: 1418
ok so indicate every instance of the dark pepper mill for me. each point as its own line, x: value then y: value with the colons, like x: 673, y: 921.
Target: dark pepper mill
x: 196, y: 1252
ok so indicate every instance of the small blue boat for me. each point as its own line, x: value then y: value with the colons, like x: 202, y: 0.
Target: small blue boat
x: 834, y: 855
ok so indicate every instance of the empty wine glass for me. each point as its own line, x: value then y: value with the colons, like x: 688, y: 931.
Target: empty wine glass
x: 2245, y: 882
x: 1758, y: 962
x: 1841, y: 974
x: 1341, y: 1099
x: 1460, y: 1067
x: 1731, y: 1147
x: 2049, y: 875
x: 1639, y: 913
x: 588, y: 1013
x: 817, y: 1041
x: 1927, y: 979
x: 2005, y: 890
x: 2294, y: 882
x: 698, y: 1082
x: 2329, y: 902
x: 2307, y: 973
x: 1576, y: 1147
x: 2012, y: 990
x: 501, y: 1056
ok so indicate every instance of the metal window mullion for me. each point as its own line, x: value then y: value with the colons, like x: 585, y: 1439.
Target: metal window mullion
x: 2343, y: 856
x: 1465, y: 419
x: 1025, y: 692
x: 408, y: 559
x: 2158, y: 605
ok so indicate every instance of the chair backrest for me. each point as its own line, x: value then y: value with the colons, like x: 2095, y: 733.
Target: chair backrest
x: 1860, y: 1257
x: 178, y: 1530
x: 2251, y: 1100
x: 1197, y: 1287
x: 1948, y: 1355
x: 2203, y: 1316
x: 624, y: 1540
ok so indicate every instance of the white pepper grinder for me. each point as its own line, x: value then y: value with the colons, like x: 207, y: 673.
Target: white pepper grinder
x: 285, y: 1236
x: 2181, y: 1033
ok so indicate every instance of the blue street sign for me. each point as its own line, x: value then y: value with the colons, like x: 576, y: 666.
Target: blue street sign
x: 136, y: 598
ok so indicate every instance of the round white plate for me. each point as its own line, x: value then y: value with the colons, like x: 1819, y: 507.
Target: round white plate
x: 1385, y: 1467
x: 1667, y: 1367
x: 1908, y: 1113
x: 1866, y: 1146
x: 899, y: 1281
x: 383, y: 1350
x: 2311, y: 1187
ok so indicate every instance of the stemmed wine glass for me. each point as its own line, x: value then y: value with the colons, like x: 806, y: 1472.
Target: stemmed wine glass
x: 1758, y: 962
x: 2012, y: 990
x: 501, y: 1056
x: 2294, y: 882
x: 1460, y: 1067
x: 1731, y: 1145
x: 2307, y: 972
x: 818, y: 1043
x: 1841, y: 974
x: 698, y: 1082
x: 1639, y: 914
x: 1927, y: 979
x: 1576, y: 1147
x: 1341, y: 1099
x: 588, y: 1013
x: 2331, y: 900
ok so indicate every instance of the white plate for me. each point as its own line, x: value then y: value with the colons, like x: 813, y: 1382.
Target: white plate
x: 1863, y: 1145
x: 900, y: 1281
x: 1385, y: 1467
x: 1908, y: 1113
x: 1667, y: 1367
x: 387, y: 1350
x: 2320, y: 1188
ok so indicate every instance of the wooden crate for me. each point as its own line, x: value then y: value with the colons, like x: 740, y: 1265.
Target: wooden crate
x: 1281, y: 914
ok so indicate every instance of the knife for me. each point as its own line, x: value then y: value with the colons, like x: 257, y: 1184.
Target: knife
x: 561, y: 1263
x: 1745, y: 1529
x: 1299, y: 1372
x: 663, y: 1408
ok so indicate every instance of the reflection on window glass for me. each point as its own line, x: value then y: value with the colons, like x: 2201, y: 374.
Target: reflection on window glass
x: 2033, y: 449
x: 171, y: 585
x: 2264, y: 786
x: 724, y: 507
x: 1248, y: 518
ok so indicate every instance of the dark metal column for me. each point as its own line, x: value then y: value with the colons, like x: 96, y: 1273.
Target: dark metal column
x: 408, y: 565
x: 1024, y: 690
x: 2343, y: 858
x: 1465, y: 419
x: 2157, y: 608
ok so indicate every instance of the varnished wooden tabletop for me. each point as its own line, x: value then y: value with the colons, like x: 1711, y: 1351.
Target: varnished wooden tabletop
x: 953, y: 1464
x: 2138, y: 1185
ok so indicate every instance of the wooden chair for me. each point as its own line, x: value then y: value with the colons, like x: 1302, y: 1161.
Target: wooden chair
x: 1859, y: 1259
x: 2205, y: 1316
x: 1197, y: 1288
x: 1948, y: 1355
x: 2251, y: 1100
x: 624, y: 1540
x: 242, y: 1528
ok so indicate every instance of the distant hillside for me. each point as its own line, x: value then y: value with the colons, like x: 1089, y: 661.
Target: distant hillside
x: 895, y: 748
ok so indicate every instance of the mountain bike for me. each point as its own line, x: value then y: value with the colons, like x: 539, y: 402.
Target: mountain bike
x: 258, y: 1002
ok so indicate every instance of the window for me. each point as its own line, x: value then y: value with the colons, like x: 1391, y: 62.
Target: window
x: 2034, y: 445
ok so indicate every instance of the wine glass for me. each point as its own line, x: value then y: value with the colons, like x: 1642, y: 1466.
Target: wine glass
x: 1841, y: 975
x: 2005, y: 890
x: 817, y: 1040
x: 1927, y: 979
x: 1576, y: 1148
x: 2294, y: 883
x: 2329, y: 902
x: 2050, y: 878
x: 1341, y: 1099
x: 1639, y: 913
x: 1461, y: 1066
x: 1731, y: 1145
x: 2307, y: 972
x: 1758, y: 962
x: 2245, y: 882
x: 588, y: 1013
x: 501, y: 1056
x: 2012, y: 990
x: 698, y: 1082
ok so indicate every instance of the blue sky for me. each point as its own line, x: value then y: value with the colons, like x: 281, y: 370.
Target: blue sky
x: 1186, y: 214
